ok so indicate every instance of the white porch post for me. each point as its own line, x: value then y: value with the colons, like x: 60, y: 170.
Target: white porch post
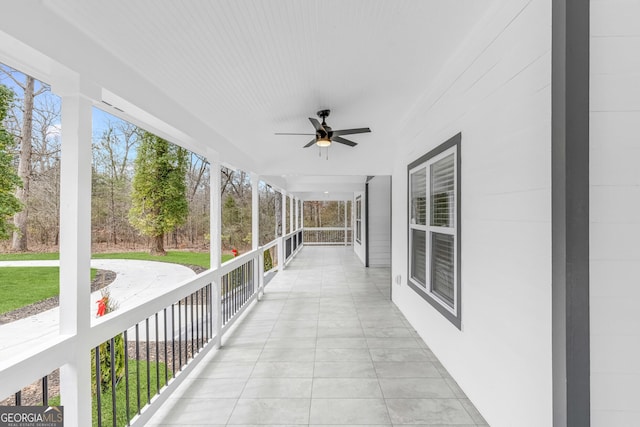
x: 258, y: 270
x: 297, y: 202
x: 291, y: 225
x: 301, y: 213
x: 215, y: 243
x: 345, y: 222
x: 283, y: 213
x: 255, y: 212
x: 75, y: 255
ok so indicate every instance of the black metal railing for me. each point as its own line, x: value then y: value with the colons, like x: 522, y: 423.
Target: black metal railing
x: 134, y: 366
x: 37, y: 393
x: 159, y: 340
x: 333, y: 236
x: 237, y: 287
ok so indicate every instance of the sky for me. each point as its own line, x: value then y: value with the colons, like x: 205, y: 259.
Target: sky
x: 100, y: 117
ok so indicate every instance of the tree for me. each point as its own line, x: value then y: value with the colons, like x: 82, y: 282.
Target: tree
x: 24, y: 165
x: 112, y: 153
x: 159, y: 202
x: 9, y: 204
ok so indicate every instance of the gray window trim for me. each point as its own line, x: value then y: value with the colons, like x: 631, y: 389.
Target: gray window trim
x: 358, y: 219
x: 455, y: 319
x: 571, y: 361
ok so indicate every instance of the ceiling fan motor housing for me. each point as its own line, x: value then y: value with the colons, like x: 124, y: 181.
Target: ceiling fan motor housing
x: 323, y: 114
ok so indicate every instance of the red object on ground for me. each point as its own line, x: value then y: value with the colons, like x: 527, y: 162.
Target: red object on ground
x: 102, y: 306
x: 234, y: 251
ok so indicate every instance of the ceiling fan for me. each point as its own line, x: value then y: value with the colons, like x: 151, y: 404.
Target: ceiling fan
x: 324, y: 135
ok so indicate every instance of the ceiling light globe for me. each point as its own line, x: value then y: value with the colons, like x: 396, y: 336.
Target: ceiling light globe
x: 323, y: 142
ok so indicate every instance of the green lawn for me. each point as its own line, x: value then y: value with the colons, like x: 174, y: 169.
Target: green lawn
x: 21, y: 286
x: 177, y: 257
x: 30, y: 256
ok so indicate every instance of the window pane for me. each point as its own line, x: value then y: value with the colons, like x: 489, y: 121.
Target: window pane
x: 419, y: 256
x: 419, y: 197
x: 442, y: 266
x: 443, y: 192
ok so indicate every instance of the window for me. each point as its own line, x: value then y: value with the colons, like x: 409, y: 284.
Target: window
x: 359, y: 219
x: 434, y: 228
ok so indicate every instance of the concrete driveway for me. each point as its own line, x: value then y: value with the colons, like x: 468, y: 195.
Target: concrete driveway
x: 136, y: 282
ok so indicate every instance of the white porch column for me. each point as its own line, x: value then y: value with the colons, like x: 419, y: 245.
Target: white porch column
x: 255, y: 212
x: 301, y: 213
x: 215, y: 233
x: 258, y: 271
x: 345, y: 222
x: 75, y: 255
x: 283, y: 214
x: 291, y: 225
x: 297, y: 202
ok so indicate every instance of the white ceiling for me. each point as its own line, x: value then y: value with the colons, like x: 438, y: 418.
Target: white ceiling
x: 232, y: 73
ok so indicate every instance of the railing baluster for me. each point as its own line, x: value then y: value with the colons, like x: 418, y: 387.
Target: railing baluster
x: 179, y: 335
x: 126, y: 376
x: 192, y: 342
x: 157, y: 358
x: 166, y: 361
x: 98, y: 388
x: 148, y: 361
x: 18, y: 397
x: 186, y: 331
x: 45, y: 391
x: 210, y: 303
x: 173, y: 341
x: 112, y: 359
x: 138, y: 366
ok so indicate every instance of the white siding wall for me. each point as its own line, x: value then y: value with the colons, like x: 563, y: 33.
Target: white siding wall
x: 496, y: 91
x: 380, y: 221
x: 615, y: 213
x: 359, y: 248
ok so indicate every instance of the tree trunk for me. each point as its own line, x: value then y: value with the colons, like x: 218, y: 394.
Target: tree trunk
x: 157, y: 245
x: 24, y: 168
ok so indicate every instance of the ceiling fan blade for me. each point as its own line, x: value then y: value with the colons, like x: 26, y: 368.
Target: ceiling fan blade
x: 316, y: 124
x: 310, y: 143
x: 287, y: 133
x: 351, y: 131
x: 343, y: 141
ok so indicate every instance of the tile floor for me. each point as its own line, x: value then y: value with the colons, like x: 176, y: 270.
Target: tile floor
x: 325, y: 346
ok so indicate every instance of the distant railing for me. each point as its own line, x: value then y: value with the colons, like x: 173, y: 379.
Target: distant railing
x: 292, y: 243
x: 145, y: 352
x: 335, y: 236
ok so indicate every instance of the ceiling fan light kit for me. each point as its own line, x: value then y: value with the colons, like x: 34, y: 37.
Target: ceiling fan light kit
x: 325, y: 135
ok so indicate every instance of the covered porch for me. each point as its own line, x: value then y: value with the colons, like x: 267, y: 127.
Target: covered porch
x: 324, y: 346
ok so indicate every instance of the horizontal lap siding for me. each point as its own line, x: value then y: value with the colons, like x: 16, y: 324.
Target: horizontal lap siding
x: 615, y: 213
x: 496, y: 90
x: 380, y: 222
